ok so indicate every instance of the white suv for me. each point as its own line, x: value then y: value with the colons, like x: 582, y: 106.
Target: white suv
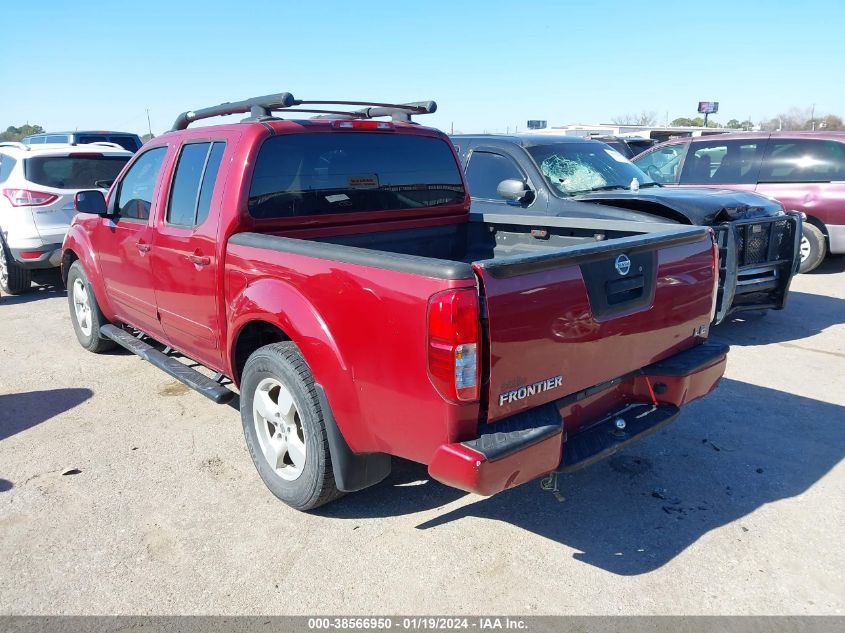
x: 37, y: 187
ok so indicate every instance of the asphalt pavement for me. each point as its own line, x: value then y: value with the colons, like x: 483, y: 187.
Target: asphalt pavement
x: 123, y: 492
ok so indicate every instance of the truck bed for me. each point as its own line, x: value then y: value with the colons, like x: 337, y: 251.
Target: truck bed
x: 553, y: 304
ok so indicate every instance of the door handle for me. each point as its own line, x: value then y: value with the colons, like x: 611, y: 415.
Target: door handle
x: 200, y: 260
x: 142, y: 247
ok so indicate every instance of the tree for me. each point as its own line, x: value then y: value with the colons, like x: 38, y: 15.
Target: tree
x: 13, y: 133
x: 147, y: 137
x: 831, y: 122
x: 734, y: 124
x: 643, y: 118
x: 696, y: 122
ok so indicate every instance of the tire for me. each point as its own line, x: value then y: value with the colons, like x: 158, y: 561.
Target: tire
x: 813, y: 248
x: 83, y: 305
x: 14, y: 280
x: 284, y: 427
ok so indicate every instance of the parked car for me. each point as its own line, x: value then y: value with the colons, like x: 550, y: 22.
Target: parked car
x: 573, y: 177
x: 36, y: 206
x: 628, y: 146
x: 126, y: 140
x: 329, y: 267
x: 803, y: 170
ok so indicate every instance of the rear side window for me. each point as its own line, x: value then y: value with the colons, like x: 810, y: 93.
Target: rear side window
x: 35, y: 140
x: 803, y: 160
x: 7, y: 164
x: 486, y: 170
x: 126, y: 142
x: 348, y: 172
x: 89, y: 138
x: 57, y: 138
x: 193, y: 184
x: 93, y: 171
x: 723, y: 163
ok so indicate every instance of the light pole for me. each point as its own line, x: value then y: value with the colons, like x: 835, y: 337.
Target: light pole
x: 813, y: 118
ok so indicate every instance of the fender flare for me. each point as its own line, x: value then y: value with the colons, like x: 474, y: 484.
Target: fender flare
x: 77, y: 241
x: 281, y: 305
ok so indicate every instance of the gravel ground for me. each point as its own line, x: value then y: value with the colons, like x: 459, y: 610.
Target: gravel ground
x: 737, y: 508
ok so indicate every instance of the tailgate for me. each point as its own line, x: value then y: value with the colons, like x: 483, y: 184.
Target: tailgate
x: 570, y: 319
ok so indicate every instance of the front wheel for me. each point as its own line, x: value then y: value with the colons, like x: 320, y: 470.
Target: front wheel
x: 85, y: 313
x: 284, y: 427
x: 813, y: 248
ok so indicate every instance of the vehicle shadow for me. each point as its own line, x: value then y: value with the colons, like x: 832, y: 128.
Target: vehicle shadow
x: 832, y: 264
x: 36, y: 293
x: 638, y: 510
x: 20, y: 411
x: 6, y: 485
x: 805, y: 315
x: 45, y: 284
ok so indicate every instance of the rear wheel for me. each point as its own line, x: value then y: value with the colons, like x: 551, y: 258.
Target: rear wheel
x: 85, y: 313
x: 14, y: 280
x: 284, y: 427
x: 813, y: 248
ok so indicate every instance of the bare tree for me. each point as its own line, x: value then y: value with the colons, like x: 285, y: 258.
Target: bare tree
x: 646, y: 117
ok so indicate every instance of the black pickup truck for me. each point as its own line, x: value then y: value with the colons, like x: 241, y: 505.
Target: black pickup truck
x: 573, y: 177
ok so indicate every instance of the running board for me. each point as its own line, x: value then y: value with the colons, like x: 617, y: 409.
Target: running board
x: 191, y: 377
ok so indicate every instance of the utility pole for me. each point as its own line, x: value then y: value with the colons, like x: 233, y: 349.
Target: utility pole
x: 813, y: 118
x: 149, y: 125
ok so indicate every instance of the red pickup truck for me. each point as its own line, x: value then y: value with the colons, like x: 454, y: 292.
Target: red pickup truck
x: 330, y: 268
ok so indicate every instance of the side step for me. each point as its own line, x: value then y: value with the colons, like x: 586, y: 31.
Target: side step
x: 195, y: 380
x: 605, y: 438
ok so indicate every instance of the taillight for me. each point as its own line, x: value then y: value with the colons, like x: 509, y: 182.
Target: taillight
x: 343, y: 124
x: 716, y: 273
x: 27, y: 198
x: 31, y: 254
x: 454, y: 344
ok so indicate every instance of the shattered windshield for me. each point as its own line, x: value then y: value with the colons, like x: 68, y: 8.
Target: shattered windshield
x: 572, y: 168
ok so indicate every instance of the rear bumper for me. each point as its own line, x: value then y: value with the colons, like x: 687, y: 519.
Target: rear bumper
x: 757, y: 259
x: 836, y: 238
x: 37, y: 258
x: 536, y: 442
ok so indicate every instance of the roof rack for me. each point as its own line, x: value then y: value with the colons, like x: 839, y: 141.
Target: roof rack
x: 16, y: 144
x: 262, y: 108
x: 102, y: 143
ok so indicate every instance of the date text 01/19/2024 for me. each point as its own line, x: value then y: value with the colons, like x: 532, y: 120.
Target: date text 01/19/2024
x: 423, y: 623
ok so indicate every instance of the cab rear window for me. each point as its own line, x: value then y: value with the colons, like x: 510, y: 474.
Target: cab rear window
x: 74, y: 172
x: 349, y: 172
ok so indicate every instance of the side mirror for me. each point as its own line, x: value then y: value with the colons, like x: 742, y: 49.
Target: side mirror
x: 514, y: 190
x: 92, y: 201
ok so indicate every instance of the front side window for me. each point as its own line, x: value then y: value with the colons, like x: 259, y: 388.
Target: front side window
x: 663, y: 165
x: 723, y: 163
x: 347, y: 172
x: 74, y: 171
x: 803, y: 160
x: 486, y: 170
x: 193, y: 183
x: 135, y: 196
x: 573, y: 168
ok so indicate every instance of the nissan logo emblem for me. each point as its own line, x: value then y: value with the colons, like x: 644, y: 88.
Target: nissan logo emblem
x: 623, y: 264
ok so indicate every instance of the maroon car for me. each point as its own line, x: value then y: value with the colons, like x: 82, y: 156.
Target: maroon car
x: 805, y: 171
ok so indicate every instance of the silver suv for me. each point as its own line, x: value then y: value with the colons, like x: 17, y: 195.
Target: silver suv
x: 37, y: 187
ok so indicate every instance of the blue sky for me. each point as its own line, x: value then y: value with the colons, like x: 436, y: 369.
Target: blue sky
x: 489, y: 65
